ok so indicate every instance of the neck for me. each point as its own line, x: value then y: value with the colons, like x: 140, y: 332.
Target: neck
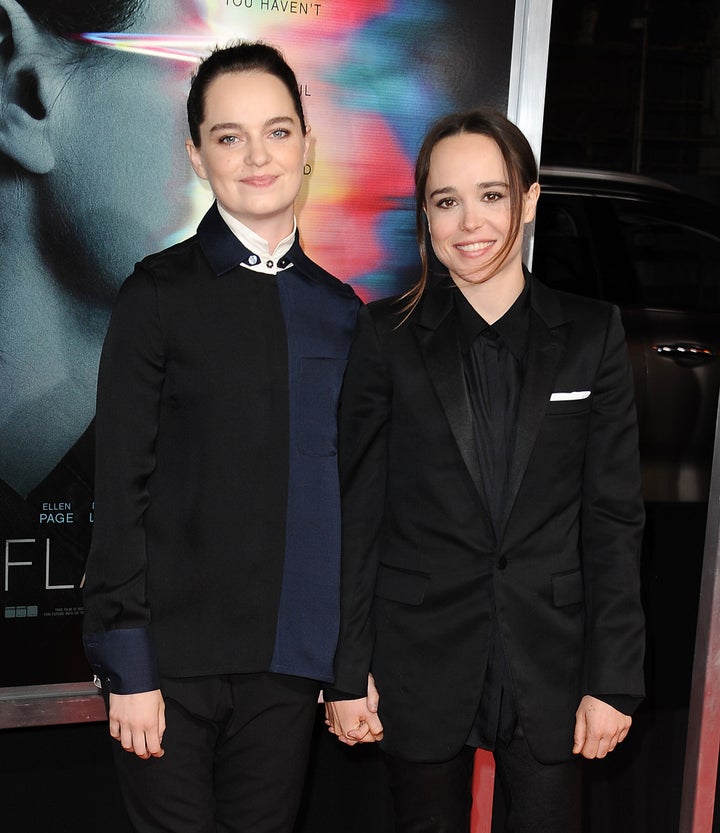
x: 271, y: 229
x: 493, y: 298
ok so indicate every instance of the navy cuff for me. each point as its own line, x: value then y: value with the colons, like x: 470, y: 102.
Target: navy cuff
x: 123, y: 659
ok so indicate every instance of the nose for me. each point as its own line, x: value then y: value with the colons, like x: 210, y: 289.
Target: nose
x: 472, y: 217
x: 256, y: 152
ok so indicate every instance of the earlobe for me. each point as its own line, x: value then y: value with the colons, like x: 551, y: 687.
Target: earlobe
x: 25, y: 76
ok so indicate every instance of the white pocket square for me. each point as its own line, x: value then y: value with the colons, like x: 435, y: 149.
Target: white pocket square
x: 561, y: 396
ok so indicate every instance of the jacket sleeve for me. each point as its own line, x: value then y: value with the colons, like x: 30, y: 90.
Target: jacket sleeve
x: 612, y: 524
x: 117, y: 636
x: 365, y: 406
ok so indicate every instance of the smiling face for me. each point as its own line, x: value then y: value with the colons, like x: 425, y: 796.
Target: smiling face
x: 469, y: 211
x: 252, y: 151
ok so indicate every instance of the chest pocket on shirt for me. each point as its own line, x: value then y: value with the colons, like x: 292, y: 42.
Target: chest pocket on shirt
x: 318, y: 393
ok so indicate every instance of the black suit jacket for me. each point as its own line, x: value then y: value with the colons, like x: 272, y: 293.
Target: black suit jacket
x: 418, y: 542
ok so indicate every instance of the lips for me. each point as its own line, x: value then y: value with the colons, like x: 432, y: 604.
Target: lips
x: 471, y: 248
x: 259, y: 181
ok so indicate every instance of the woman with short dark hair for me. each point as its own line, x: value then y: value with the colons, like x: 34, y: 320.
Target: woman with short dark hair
x: 212, y: 589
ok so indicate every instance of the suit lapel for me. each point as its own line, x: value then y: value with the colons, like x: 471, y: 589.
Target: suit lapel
x: 436, y: 329
x: 546, y: 347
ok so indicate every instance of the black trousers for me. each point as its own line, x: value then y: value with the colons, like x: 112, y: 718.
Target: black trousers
x: 436, y: 797
x: 236, y: 750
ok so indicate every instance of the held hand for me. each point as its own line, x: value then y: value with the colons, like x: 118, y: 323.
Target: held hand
x: 138, y: 722
x: 598, y: 728
x: 373, y: 697
x: 356, y: 721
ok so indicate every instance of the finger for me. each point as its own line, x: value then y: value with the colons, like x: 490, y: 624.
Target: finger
x: 376, y: 727
x: 139, y: 746
x: 126, y: 738
x: 603, y: 747
x: 579, y: 738
x: 373, y: 698
x: 115, y: 729
x: 360, y: 732
x: 153, y: 744
x: 590, y: 748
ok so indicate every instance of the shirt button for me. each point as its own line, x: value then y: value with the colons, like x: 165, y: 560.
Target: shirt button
x: 269, y: 264
x: 253, y: 259
x: 282, y: 263
x: 502, y: 563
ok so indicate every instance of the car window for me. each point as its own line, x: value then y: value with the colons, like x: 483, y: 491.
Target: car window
x: 677, y: 266
x: 563, y: 253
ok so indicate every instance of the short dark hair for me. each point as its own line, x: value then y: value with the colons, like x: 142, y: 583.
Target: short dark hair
x: 238, y: 57
x: 519, y: 162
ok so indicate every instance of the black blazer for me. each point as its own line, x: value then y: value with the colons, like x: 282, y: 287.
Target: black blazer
x: 418, y: 540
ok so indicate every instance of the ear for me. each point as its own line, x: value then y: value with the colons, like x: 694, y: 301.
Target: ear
x: 26, y: 78
x: 530, y: 202
x: 195, y: 157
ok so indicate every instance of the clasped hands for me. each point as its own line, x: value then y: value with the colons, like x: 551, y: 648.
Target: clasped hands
x: 598, y: 726
x: 138, y: 722
x: 355, y: 721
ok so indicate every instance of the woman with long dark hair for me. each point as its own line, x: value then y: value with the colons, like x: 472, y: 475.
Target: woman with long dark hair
x: 492, y: 514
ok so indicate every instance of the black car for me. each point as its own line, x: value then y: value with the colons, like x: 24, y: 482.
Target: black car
x: 655, y: 252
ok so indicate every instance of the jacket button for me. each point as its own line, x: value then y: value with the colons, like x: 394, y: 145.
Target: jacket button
x: 502, y: 563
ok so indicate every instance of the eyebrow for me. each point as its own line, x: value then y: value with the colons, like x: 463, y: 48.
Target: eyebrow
x: 451, y: 189
x: 234, y: 125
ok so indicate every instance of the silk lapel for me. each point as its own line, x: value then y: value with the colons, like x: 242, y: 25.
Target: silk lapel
x: 436, y: 329
x: 546, y: 347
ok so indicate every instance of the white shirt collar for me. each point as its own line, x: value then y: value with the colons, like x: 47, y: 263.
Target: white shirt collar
x: 267, y: 261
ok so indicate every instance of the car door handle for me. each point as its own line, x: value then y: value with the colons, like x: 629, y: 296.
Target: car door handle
x: 685, y: 353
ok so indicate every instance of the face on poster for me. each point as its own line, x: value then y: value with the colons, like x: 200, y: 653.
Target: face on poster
x: 94, y: 176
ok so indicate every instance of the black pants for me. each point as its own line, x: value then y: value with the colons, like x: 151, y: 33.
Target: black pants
x: 436, y: 797
x: 236, y: 750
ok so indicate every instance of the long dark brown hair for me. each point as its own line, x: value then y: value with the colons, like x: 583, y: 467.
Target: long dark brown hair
x: 521, y: 170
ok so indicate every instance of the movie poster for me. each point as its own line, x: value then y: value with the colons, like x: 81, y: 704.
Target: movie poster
x: 94, y: 176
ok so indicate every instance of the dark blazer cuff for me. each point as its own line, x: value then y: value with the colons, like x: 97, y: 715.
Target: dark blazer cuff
x: 625, y: 703
x: 124, y: 660
x: 330, y: 695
